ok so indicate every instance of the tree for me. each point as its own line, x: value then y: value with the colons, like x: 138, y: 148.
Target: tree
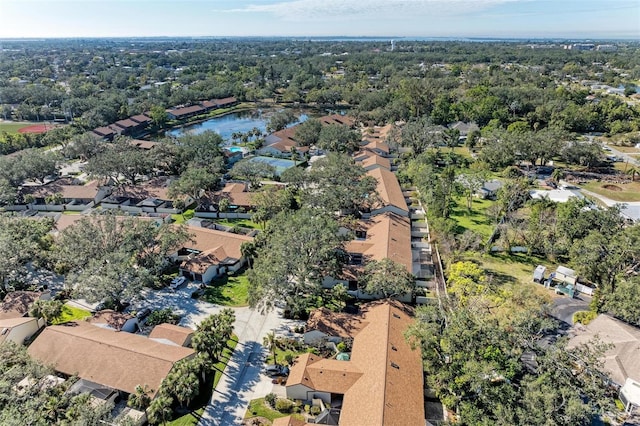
x: 633, y: 172
x: 159, y: 411
x: 338, y: 184
x: 451, y: 137
x: 308, y: 133
x: 212, y: 334
x: 140, y: 398
x: 121, y: 160
x: 21, y: 241
x: 182, y: 382
x: 253, y: 171
x: 466, y: 280
x: 193, y: 182
x: 271, y: 202
x: 46, y: 309
x: 297, y: 250
x: 270, y: 341
x: 158, y: 116
x: 338, y: 138
x: 420, y: 135
x: 387, y: 278
x: 280, y: 120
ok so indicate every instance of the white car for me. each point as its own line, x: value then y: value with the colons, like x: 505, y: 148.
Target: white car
x: 177, y: 282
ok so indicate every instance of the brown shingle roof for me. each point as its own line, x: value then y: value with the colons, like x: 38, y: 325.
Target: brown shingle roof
x: 237, y: 194
x: 178, y: 335
x: 375, y: 159
x: 117, y: 360
x: 338, y: 324
x: 104, y: 131
x: 225, y: 101
x: 389, y: 189
x: 153, y: 188
x: 216, y: 247
x: 110, y: 317
x: 623, y: 359
x: 126, y: 123
x: 388, y: 385
x: 388, y: 235
x: 139, y: 143
x: 17, y: 304
x: 60, y: 186
x: 343, y: 120
x: 141, y: 118
x: 193, y: 109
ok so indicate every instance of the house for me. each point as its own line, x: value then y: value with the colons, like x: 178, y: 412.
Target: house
x: 378, y: 147
x: 370, y: 160
x: 225, y: 102
x: 19, y: 329
x: 556, y: 195
x: 105, y: 132
x: 621, y: 361
x: 142, y: 119
x: 464, y: 128
x: 66, y: 194
x: 172, y: 334
x: 183, y: 113
x: 128, y: 127
x: 18, y: 303
x: 387, y: 235
x: 342, y: 120
x: 381, y: 384
x: 237, y: 194
x: 113, y: 320
x: 326, y: 325
x: 151, y: 196
x: 106, y: 358
x: 489, y: 189
x: 391, y: 198
x: 281, y: 143
x: 210, y: 253
x: 142, y: 144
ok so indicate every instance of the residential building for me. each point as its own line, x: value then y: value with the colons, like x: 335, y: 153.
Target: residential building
x: 381, y: 384
x: 326, y: 325
x: 182, y: 113
x: 391, y: 198
x: 172, y: 334
x: 66, y: 194
x: 17, y: 304
x: 237, y: 194
x: 210, y: 253
x: 104, y: 358
x: 621, y: 361
x: 117, y: 321
x: 19, y: 329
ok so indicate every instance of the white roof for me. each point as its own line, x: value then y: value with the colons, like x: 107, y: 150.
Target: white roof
x: 631, y: 391
x: 557, y: 195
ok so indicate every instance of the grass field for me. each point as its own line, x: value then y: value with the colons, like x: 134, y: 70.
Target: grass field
x: 244, y: 223
x: 70, y: 313
x: 192, y: 418
x: 258, y: 407
x: 476, y: 220
x: 181, y: 218
x: 628, y: 191
x: 228, y: 291
x: 13, y: 126
x: 626, y: 149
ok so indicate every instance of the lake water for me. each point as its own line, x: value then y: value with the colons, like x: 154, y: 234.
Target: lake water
x: 226, y: 125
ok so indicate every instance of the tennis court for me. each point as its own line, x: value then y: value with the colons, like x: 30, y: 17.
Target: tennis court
x: 280, y: 164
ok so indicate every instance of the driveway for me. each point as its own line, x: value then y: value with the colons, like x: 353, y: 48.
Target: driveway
x: 563, y: 308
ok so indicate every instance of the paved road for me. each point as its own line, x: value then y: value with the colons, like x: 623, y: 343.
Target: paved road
x: 243, y: 380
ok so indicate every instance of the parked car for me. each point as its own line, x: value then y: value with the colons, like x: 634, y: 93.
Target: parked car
x: 177, y: 282
x: 276, y: 370
x: 143, y: 313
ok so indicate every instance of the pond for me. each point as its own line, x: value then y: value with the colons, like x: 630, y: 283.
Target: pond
x: 228, y: 124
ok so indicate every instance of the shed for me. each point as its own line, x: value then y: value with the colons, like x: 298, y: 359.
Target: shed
x: 566, y: 275
x: 538, y: 273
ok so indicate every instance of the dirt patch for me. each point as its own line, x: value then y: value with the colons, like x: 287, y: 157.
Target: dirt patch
x: 256, y: 421
x: 36, y: 128
x: 613, y: 188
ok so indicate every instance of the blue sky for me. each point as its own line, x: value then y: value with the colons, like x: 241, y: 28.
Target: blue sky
x: 417, y: 18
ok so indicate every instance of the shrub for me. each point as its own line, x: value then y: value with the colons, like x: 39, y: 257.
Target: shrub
x: 584, y: 317
x: 270, y: 399
x: 165, y: 315
x: 289, y: 357
x: 341, y: 347
x: 315, y: 410
x: 284, y: 405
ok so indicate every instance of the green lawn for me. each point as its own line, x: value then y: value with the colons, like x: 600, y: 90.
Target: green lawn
x: 281, y: 354
x: 228, y: 291
x: 12, y: 126
x: 476, y: 220
x: 257, y: 407
x: 192, y: 418
x: 181, y: 218
x: 70, y: 313
x: 244, y: 223
x: 626, y: 191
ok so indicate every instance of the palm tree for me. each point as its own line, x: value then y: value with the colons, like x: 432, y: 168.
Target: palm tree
x: 633, y: 172
x: 183, y: 384
x: 140, y: 399
x: 248, y: 251
x: 451, y: 137
x: 159, y: 410
x: 270, y: 341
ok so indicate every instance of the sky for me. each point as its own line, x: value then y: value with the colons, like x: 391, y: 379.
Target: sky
x: 299, y: 18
